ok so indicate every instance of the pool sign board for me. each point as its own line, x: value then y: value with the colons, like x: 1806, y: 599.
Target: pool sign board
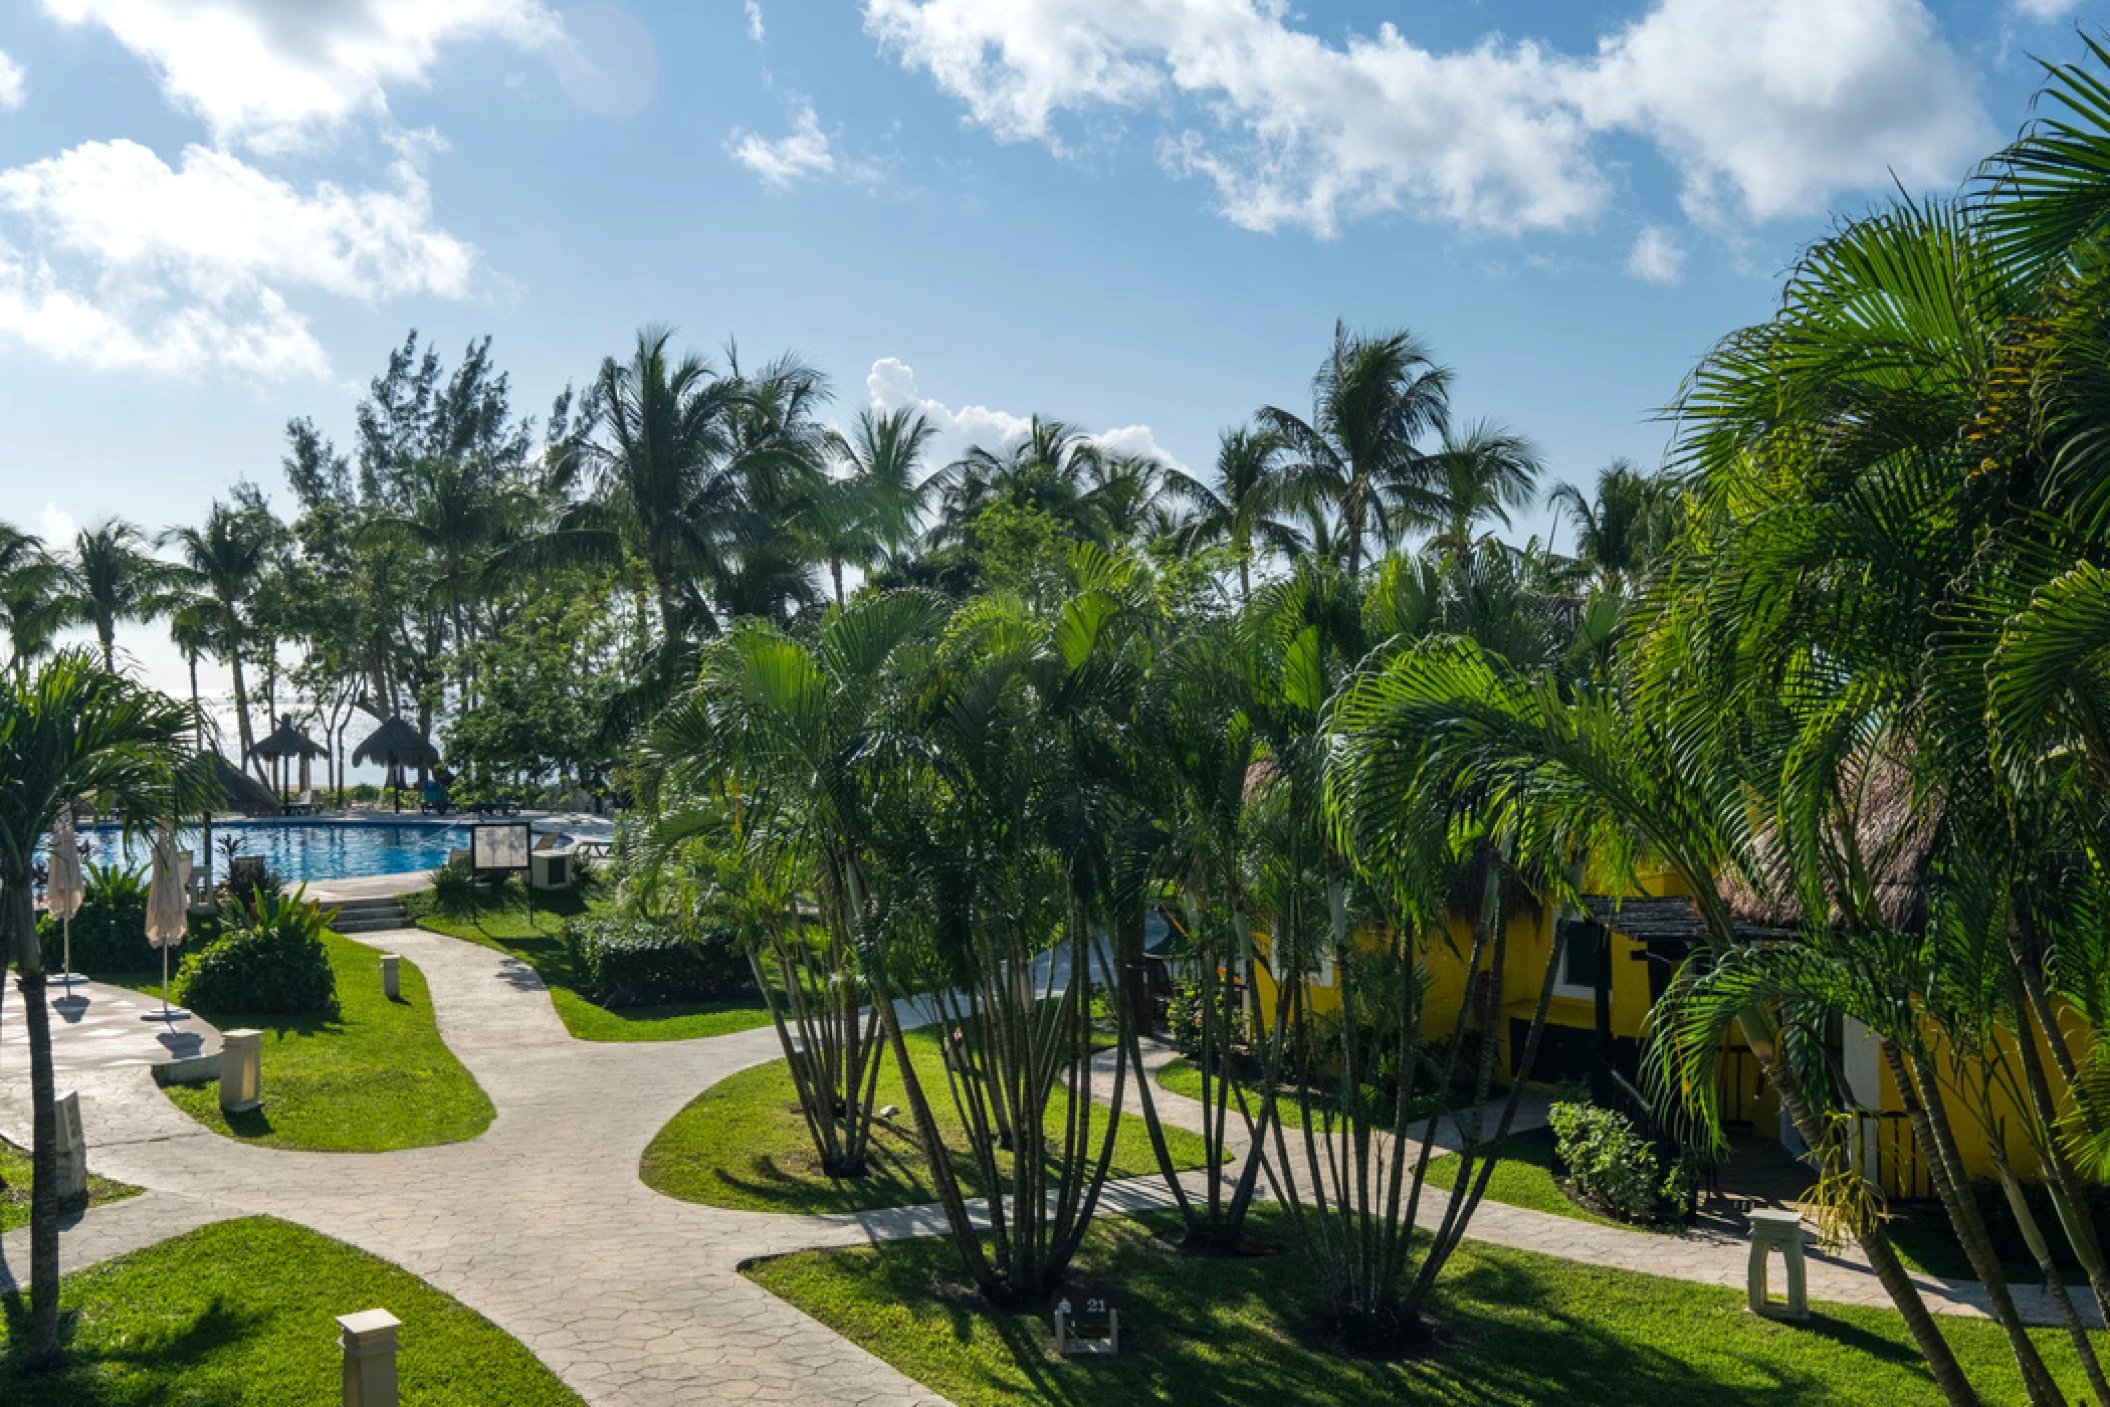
x: 499, y: 847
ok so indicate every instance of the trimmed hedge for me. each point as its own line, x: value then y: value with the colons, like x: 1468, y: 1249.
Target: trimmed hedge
x: 112, y: 938
x: 632, y: 962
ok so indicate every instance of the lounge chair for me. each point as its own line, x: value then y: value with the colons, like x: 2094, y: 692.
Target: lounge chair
x: 306, y: 804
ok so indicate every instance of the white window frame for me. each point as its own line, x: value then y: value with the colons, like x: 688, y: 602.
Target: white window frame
x: 1564, y: 988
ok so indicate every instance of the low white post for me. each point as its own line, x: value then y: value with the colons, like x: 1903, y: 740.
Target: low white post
x: 1782, y: 1231
x: 391, y: 976
x: 369, y: 1344
x: 73, y: 1149
x: 241, y: 1071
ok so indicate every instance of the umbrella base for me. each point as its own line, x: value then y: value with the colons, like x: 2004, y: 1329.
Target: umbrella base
x: 63, y: 979
x: 169, y: 1013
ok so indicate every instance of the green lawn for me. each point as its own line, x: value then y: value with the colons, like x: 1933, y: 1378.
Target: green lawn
x: 1514, y: 1327
x: 241, y: 1314
x: 14, y: 1188
x: 742, y: 1144
x: 375, y: 1077
x: 510, y: 928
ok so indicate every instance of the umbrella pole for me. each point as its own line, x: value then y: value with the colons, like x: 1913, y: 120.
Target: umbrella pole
x: 66, y: 978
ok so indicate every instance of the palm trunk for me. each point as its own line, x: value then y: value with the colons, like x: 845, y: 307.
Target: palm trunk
x: 1930, y: 1123
x: 21, y: 920
x: 1947, y: 1373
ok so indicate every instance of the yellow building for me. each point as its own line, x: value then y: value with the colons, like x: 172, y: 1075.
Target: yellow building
x: 1636, y: 943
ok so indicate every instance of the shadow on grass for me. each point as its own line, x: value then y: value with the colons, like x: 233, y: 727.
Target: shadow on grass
x: 215, y: 1326
x: 1510, y: 1327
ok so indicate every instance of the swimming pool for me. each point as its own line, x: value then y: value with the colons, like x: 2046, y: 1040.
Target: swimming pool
x: 300, y: 851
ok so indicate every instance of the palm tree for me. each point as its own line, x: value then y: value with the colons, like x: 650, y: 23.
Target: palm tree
x: 1622, y: 525
x: 1243, y: 509
x: 781, y: 742
x: 1482, y: 475
x: 226, y: 559
x: 1373, y: 401
x: 876, y: 510
x: 660, y: 494
x: 113, y: 578
x: 68, y: 727
x: 32, y: 597
x: 1052, y: 469
x: 457, y: 513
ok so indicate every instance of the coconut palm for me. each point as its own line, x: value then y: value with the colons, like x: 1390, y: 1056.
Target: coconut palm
x: 68, y: 727
x: 660, y: 428
x: 1480, y: 475
x: 32, y: 597
x: 1621, y: 525
x: 225, y: 560
x: 1052, y: 468
x: 1375, y: 399
x: 876, y: 506
x: 113, y: 578
x: 1245, y: 508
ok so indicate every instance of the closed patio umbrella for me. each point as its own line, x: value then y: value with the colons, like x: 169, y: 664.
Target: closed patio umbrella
x: 396, y: 745
x: 63, y: 886
x: 168, y: 912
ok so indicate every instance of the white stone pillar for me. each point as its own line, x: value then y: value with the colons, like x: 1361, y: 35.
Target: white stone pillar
x: 73, y: 1149
x: 369, y: 1344
x: 241, y: 1071
x: 391, y: 976
x: 1781, y: 1230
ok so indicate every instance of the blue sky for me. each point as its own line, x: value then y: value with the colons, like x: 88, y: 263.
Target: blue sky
x: 1142, y: 216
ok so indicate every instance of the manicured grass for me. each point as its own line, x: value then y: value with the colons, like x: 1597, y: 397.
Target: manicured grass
x: 743, y: 1144
x: 241, y: 1314
x: 375, y: 1077
x: 1513, y: 1327
x: 1182, y: 1077
x: 14, y: 1188
x: 509, y: 927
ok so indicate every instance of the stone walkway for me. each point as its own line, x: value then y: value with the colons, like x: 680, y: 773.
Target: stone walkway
x: 542, y: 1224
x: 100, y: 1027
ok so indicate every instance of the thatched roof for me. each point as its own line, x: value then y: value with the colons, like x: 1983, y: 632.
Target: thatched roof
x: 288, y: 741
x: 244, y: 793
x: 395, y: 743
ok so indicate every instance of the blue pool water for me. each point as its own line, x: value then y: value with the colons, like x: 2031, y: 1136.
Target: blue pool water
x: 299, y: 851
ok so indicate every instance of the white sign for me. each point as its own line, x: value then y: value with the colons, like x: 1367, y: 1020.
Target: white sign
x: 499, y: 847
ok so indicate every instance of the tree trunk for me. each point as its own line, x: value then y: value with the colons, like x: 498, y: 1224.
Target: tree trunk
x: 241, y: 704
x: 21, y: 920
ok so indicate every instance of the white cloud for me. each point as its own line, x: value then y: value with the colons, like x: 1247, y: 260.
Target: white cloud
x: 755, y: 31
x: 2045, y: 9
x: 805, y: 151
x: 1656, y: 257
x: 14, y: 86
x: 1777, y: 103
x: 892, y: 384
x: 110, y: 258
x: 277, y: 75
x: 58, y: 526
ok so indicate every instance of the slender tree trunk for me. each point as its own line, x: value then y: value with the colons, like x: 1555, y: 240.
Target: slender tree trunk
x: 1947, y: 1373
x: 21, y: 920
x: 241, y: 705
x: 1921, y: 1092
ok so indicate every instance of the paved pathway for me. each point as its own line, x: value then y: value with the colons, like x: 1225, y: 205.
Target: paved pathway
x: 542, y: 1225
x: 99, y: 1027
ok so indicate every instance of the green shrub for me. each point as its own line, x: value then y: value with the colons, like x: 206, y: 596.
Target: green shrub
x: 273, y: 965
x: 634, y: 962
x: 454, y: 893
x: 1609, y: 1162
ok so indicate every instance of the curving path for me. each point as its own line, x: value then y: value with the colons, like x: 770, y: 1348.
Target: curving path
x: 542, y: 1225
